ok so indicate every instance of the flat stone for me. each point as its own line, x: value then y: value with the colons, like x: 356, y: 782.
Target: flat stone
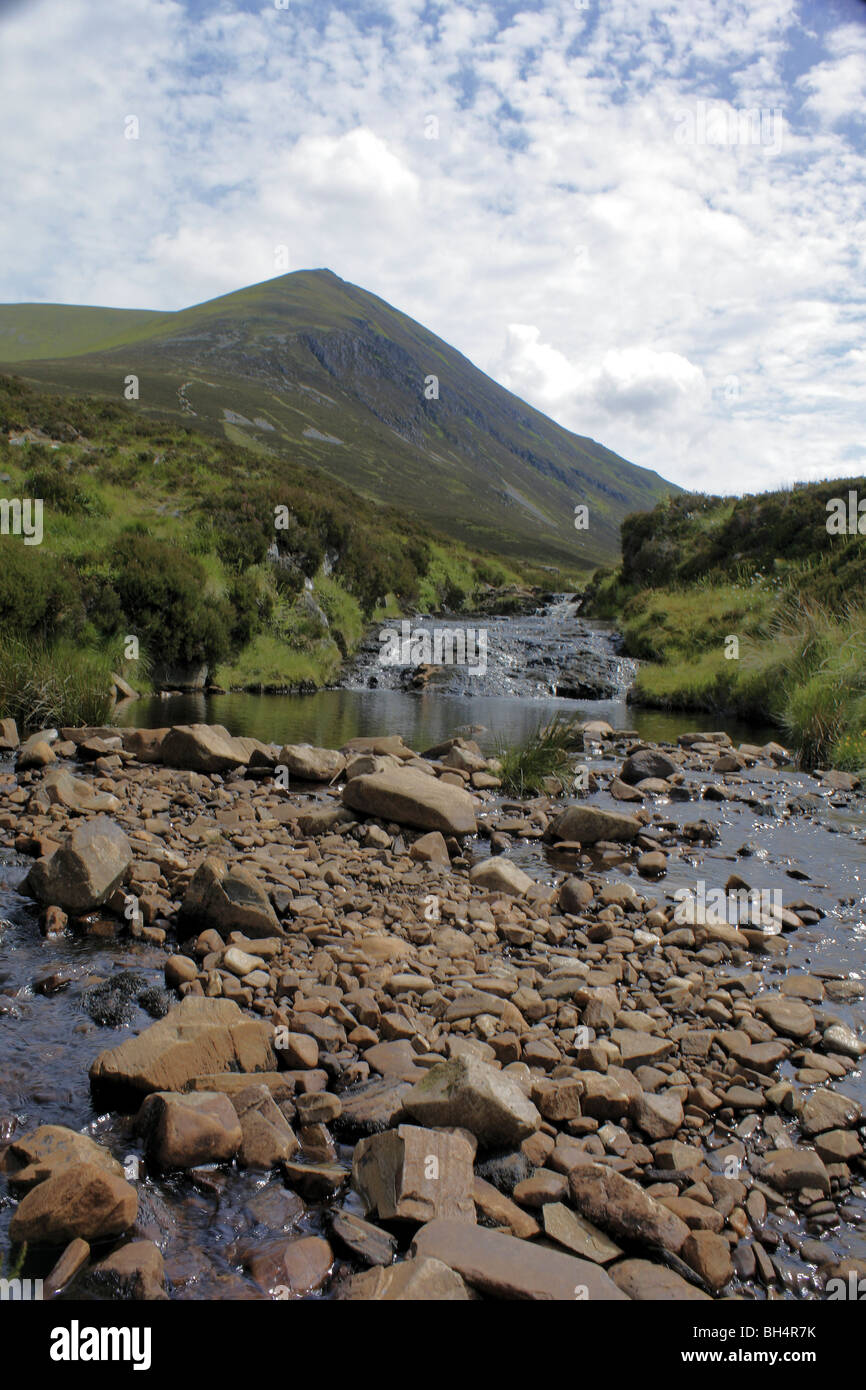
x: 642, y: 1280
x: 367, y: 1242
x: 578, y: 1235
x: 622, y: 1208
x: 589, y: 824
x: 505, y: 1267
x: 419, y: 1280
x: 785, y: 1015
x: 825, y: 1110
x: 412, y: 798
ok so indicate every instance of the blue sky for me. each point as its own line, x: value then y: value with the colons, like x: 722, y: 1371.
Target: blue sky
x: 646, y: 217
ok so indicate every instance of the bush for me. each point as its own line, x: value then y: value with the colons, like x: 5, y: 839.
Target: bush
x: 163, y: 594
x: 39, y: 594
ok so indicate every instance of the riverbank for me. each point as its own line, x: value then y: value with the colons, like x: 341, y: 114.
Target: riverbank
x: 641, y: 1100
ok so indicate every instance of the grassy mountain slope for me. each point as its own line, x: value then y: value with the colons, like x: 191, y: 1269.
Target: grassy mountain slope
x: 764, y: 570
x: 159, y: 531
x: 310, y: 367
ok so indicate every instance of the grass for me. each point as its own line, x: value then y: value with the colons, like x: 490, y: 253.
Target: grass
x: 43, y: 686
x: 545, y: 756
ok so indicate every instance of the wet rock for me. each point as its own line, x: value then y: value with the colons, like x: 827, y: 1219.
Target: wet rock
x: 710, y: 1256
x: 291, y: 1268
x: 71, y: 1262
x: 825, y: 1110
x: 84, y: 872
x: 788, y: 1016
x: 622, y: 1208
x: 182, y: 1131
x: 80, y: 1201
x: 470, y: 1094
x: 196, y: 1036
x: 135, y: 1271
x: 414, y: 1174
x: 501, y: 1266
x: 839, y: 1038
x: 647, y: 762
x: 412, y: 798
x: 790, y: 1170
x: 33, y: 1157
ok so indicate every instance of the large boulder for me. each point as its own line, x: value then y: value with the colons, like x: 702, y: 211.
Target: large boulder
x: 196, y: 1037
x: 506, y: 1267
x: 587, y: 824
x: 470, y: 1094
x: 229, y: 900
x: 412, y: 798
x: 312, y: 764
x: 201, y: 748
x: 83, y: 1200
x: 84, y: 872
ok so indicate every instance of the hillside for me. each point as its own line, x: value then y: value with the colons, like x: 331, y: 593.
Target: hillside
x: 311, y: 368
x: 164, y: 533
x: 751, y: 605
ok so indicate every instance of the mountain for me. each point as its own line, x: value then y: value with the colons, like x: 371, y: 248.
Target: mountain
x: 317, y: 369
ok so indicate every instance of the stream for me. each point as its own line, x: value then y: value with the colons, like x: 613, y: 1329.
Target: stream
x: 799, y: 836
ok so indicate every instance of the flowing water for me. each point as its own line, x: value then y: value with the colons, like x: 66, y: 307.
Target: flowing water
x: 794, y: 835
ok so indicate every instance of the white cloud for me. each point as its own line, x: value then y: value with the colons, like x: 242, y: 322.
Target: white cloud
x: 556, y: 231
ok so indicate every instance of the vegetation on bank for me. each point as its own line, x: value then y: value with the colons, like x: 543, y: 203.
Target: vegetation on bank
x: 700, y: 571
x: 265, y: 571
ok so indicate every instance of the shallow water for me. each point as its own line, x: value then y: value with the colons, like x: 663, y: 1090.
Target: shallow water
x: 48, y: 1043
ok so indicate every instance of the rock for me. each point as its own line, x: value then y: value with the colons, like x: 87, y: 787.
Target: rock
x: 48, y: 1150
x: 839, y: 1038
x: 135, y: 1271
x: 495, y: 1209
x: 267, y: 1135
x: 710, y: 1256
x: 60, y: 788
x: 788, y: 1016
x: 200, y: 748
x: 36, y: 752
x: 81, y: 1201
x: 505, y: 1267
x: 182, y: 1131
x: 312, y: 764
x: 430, y: 849
x: 643, y: 1280
x: 73, y: 1259
x: 789, y: 1170
x: 195, y: 1037
x: 578, y: 1235
x: 293, y: 1267
x: 501, y: 876
x: 144, y: 744
x: 658, y: 1116
x: 84, y: 872
x: 825, y: 1110
x: 367, y: 1242
x: 229, y: 900
x: 470, y: 1094
x: 8, y: 735
x: 412, y: 798
x: 618, y: 1206
x: 639, y: 1049
x: 419, y: 1280
x: 648, y: 762
x: 575, y: 894
x: 373, y: 1106
x: 414, y: 1174
x: 587, y: 824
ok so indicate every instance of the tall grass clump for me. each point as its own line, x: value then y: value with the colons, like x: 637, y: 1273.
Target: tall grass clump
x: 64, y: 684
x: 545, y: 756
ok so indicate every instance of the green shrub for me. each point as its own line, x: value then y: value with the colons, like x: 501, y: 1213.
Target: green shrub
x: 39, y: 594
x: 163, y: 594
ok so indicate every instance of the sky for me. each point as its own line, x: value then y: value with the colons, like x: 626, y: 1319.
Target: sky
x: 645, y: 217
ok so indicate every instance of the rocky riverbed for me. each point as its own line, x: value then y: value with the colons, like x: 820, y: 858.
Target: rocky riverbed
x: 281, y: 1022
